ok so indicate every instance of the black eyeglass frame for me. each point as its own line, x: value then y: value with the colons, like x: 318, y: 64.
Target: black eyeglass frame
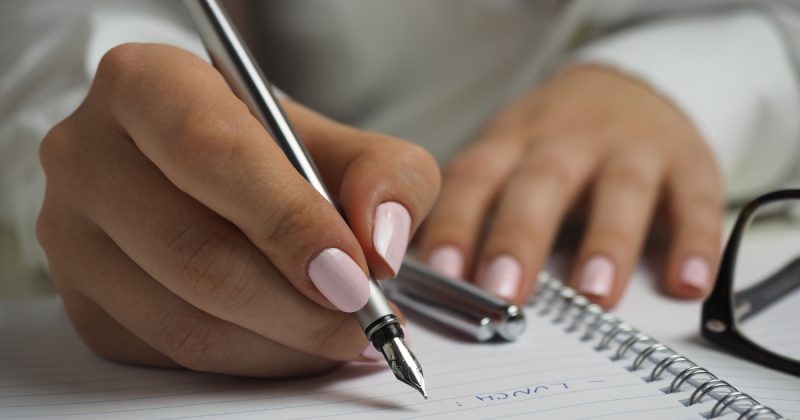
x: 718, y: 323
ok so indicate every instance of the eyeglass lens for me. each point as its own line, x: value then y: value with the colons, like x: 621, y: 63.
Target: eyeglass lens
x: 766, y: 279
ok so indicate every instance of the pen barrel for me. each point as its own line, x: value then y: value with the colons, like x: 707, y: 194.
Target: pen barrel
x: 233, y: 60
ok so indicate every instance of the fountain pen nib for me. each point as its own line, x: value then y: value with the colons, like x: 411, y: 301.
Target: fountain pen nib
x: 404, y: 364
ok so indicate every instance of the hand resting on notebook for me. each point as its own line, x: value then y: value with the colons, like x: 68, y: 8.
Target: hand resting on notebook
x: 586, y: 130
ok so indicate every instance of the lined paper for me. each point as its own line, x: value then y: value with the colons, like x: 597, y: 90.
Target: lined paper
x: 45, y: 371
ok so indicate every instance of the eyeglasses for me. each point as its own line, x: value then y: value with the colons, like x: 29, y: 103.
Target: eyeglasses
x: 754, y: 309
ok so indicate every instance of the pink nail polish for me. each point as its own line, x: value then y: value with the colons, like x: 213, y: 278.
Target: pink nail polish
x: 696, y: 273
x: 597, y: 278
x: 502, y: 277
x: 447, y: 260
x: 339, y: 279
x: 390, y: 235
x: 371, y: 353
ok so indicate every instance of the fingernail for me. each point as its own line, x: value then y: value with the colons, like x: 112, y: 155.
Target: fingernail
x: 447, y: 260
x: 696, y: 273
x: 339, y: 279
x: 502, y: 277
x: 390, y: 237
x: 597, y: 278
x: 371, y: 353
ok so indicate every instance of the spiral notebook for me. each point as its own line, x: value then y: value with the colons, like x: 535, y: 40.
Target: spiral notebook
x: 574, y: 361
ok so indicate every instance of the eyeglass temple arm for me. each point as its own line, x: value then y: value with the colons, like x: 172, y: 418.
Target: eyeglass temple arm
x: 754, y: 299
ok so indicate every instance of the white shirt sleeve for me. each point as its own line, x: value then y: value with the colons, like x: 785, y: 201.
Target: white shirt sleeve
x: 44, y: 80
x: 732, y: 76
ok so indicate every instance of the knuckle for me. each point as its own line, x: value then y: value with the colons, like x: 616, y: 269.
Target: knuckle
x: 203, y: 141
x: 548, y: 167
x: 425, y: 165
x: 61, y: 163
x: 44, y: 230
x: 56, y: 151
x: 462, y: 168
x: 119, y: 67
x: 707, y: 201
x: 416, y: 156
x: 49, y: 149
x: 416, y: 168
x: 471, y: 168
x: 526, y: 229
x: 631, y: 177
x: 213, y: 265
x: 192, y: 341
x: 711, y: 204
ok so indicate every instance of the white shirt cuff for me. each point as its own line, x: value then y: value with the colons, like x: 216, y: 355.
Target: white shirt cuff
x: 731, y: 75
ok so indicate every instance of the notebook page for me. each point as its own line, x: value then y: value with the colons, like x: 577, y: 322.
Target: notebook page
x: 45, y: 372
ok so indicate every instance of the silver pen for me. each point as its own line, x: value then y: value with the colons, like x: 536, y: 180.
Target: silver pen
x: 455, y: 304
x: 234, y: 61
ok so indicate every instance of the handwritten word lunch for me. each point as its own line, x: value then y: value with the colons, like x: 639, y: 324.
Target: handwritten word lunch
x: 526, y: 391
x: 521, y: 392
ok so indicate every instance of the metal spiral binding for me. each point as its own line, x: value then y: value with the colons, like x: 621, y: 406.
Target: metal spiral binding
x: 727, y: 400
x: 707, y: 387
x: 605, y: 342
x: 755, y: 410
x: 666, y: 362
x: 591, y: 308
x: 603, y: 318
x: 644, y: 354
x: 685, y: 374
x: 569, y: 297
x: 575, y: 311
x: 627, y: 344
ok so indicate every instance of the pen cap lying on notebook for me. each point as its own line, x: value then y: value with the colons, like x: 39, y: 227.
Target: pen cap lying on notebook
x: 454, y: 303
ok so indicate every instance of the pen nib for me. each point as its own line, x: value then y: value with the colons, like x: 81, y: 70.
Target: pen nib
x: 404, y: 365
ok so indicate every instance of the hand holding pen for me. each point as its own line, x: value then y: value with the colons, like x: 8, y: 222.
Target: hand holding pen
x: 178, y: 233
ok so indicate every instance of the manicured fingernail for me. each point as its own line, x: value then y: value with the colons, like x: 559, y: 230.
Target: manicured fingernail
x: 597, y: 278
x: 390, y: 237
x: 696, y: 273
x: 447, y: 260
x: 339, y: 279
x: 502, y: 277
x: 371, y: 353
